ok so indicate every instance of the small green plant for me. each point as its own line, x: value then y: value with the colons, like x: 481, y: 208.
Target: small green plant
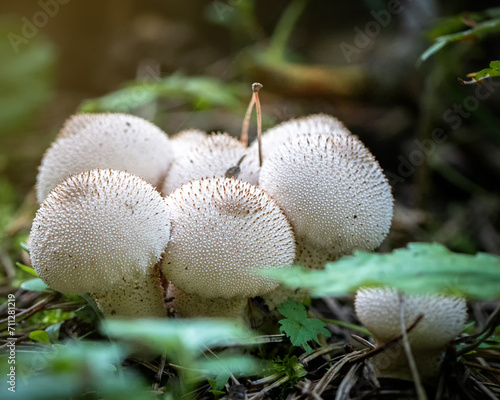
x: 299, y: 327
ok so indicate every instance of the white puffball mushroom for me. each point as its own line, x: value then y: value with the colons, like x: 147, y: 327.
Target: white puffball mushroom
x: 443, y: 319
x: 102, y: 232
x: 211, y: 158
x: 224, y: 229
x: 332, y: 190
x: 78, y: 122
x: 115, y: 141
x: 272, y: 139
x: 315, y: 124
x: 185, y: 141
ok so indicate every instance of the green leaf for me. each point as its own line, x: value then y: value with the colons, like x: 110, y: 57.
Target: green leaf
x: 27, y: 269
x: 172, y: 335
x: 53, y: 332
x: 420, y: 268
x: 36, y: 285
x: 202, y: 91
x: 40, y: 336
x: 298, y: 327
x: 492, y: 71
x: 481, y: 28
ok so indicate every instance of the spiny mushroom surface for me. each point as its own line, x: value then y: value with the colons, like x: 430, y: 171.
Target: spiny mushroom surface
x: 185, y: 141
x: 273, y: 138
x: 443, y: 319
x: 115, y: 141
x: 211, y: 158
x: 102, y: 232
x: 332, y: 190
x: 316, y: 124
x: 224, y: 229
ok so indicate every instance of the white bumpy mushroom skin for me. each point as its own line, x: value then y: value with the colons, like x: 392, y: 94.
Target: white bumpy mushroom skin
x: 332, y: 190
x: 102, y: 232
x: 107, y: 141
x: 223, y: 230
x: 189, y: 305
x: 211, y: 158
x: 316, y: 124
x: 443, y: 319
x: 185, y: 141
x: 272, y: 139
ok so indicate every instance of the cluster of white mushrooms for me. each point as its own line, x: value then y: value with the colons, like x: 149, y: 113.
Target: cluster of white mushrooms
x: 144, y: 223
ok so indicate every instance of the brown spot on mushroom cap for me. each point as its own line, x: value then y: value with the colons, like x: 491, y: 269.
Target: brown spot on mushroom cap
x: 211, y: 158
x: 114, y: 141
x: 332, y: 190
x: 222, y: 230
x: 379, y: 311
x: 97, y: 229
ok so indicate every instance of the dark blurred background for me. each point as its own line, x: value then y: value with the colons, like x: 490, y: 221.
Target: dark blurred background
x: 191, y: 64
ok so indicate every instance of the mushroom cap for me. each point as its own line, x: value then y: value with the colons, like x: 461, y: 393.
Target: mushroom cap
x: 185, y: 141
x: 77, y: 122
x: 115, y: 141
x: 97, y: 229
x: 211, y: 158
x: 222, y: 230
x: 332, y: 190
x: 315, y: 124
x: 443, y: 317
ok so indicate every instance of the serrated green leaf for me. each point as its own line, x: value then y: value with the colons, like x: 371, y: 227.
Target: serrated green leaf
x: 420, y: 268
x: 27, y: 269
x: 298, y: 327
x: 36, y: 285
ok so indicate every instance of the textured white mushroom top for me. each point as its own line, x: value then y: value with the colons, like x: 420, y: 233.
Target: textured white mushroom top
x: 316, y: 124
x: 184, y: 141
x: 273, y: 138
x: 443, y: 317
x: 332, y: 190
x: 115, y: 141
x: 211, y: 158
x: 222, y: 229
x: 97, y: 229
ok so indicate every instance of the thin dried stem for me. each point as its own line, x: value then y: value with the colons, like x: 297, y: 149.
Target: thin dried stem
x: 411, y: 361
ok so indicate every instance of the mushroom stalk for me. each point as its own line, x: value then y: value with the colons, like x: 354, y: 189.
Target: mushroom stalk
x: 188, y: 305
x: 140, y: 298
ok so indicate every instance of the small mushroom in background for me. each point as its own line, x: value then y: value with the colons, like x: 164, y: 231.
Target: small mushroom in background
x: 211, y: 158
x: 334, y: 193
x: 223, y: 230
x: 102, y: 233
x: 115, y: 141
x: 443, y: 319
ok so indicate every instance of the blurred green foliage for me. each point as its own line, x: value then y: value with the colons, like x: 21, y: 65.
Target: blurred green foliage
x: 26, y: 77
